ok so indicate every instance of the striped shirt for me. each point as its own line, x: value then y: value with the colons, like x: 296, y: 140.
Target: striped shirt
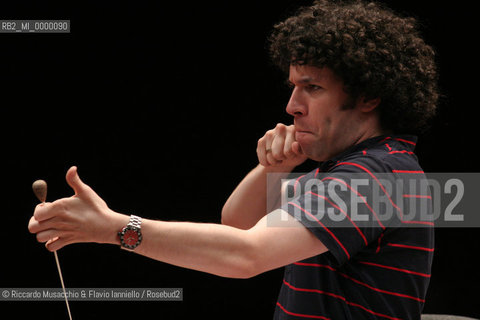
x: 380, y: 242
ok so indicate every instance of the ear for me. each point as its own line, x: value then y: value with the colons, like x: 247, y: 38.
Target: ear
x: 368, y: 105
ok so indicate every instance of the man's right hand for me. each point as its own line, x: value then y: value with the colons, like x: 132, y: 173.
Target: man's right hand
x: 278, y: 149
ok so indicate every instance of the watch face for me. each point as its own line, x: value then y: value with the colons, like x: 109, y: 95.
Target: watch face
x: 130, y: 237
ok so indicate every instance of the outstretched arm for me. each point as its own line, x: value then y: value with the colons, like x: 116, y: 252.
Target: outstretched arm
x: 276, y: 240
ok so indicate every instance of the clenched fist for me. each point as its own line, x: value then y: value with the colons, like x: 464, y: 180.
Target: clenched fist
x: 278, y: 148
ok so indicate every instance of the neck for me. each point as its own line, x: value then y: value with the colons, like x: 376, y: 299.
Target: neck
x: 370, y: 128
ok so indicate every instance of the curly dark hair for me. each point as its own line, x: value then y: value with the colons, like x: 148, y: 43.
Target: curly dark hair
x: 377, y: 54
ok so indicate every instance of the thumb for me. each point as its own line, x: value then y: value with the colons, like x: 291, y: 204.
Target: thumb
x: 297, y: 148
x: 74, y: 181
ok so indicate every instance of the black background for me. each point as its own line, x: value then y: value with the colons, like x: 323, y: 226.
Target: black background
x: 160, y: 106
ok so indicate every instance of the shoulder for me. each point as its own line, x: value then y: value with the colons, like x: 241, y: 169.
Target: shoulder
x: 362, y: 163
x: 388, y: 155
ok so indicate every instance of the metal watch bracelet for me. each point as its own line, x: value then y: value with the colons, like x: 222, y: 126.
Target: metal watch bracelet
x: 135, y: 221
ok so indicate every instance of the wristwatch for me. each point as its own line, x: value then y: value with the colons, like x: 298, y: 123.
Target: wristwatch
x: 131, y: 234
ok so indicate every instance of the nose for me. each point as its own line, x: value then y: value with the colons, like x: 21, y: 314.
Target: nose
x: 296, y: 105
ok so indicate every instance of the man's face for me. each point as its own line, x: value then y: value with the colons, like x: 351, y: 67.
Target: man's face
x: 326, y: 119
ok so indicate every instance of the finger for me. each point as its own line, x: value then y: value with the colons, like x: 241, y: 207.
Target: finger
x: 278, y: 142
x: 35, y: 226
x: 45, y: 211
x: 271, y: 159
x: 269, y: 136
x: 58, y: 243
x: 50, y: 241
x: 75, y: 182
x: 32, y: 225
x: 297, y: 148
x: 289, y: 140
x: 47, y: 235
x: 261, y: 152
x: 274, y: 144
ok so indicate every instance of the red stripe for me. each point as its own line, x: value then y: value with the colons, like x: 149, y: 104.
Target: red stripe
x: 372, y: 312
x: 407, y: 171
x: 385, y: 139
x: 401, y: 151
x: 417, y: 196
x: 407, y: 141
x: 379, y: 242
x: 427, y: 223
x: 363, y: 283
x: 346, y: 215
x: 359, y: 195
x: 316, y: 172
x: 388, y: 146
x: 399, y: 139
x: 300, y: 314
x: 338, y: 297
x: 330, y: 232
x: 314, y: 291
x: 410, y: 247
x: 396, y: 269
x: 305, y: 264
x: 382, y: 291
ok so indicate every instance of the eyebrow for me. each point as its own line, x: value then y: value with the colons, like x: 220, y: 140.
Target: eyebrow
x: 303, y: 80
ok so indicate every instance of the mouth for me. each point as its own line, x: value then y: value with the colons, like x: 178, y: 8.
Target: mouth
x: 302, y: 131
x: 301, y: 135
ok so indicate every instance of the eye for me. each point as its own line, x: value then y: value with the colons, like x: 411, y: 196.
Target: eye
x: 313, y: 87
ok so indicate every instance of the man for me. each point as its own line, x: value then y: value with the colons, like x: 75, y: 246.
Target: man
x: 360, y: 75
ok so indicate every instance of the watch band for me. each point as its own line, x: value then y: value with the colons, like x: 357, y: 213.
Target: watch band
x: 135, y: 222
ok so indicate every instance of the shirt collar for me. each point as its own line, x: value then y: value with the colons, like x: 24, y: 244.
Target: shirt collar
x: 408, y: 142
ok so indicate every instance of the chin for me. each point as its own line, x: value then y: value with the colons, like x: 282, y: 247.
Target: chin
x: 319, y: 159
x: 315, y: 156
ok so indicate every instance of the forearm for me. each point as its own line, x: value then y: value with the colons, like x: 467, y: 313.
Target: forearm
x: 212, y: 248
x: 218, y: 249
x: 248, y: 202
